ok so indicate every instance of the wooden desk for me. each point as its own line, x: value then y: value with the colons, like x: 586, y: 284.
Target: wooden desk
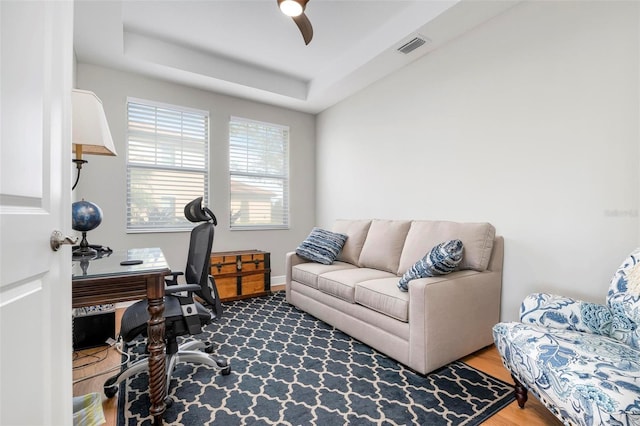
x: 103, y: 280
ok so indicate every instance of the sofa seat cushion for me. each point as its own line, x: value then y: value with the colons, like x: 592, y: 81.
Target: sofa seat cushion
x: 307, y: 273
x: 342, y: 283
x: 584, y: 378
x: 383, y: 296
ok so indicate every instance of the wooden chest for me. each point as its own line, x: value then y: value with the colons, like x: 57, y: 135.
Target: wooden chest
x: 241, y: 274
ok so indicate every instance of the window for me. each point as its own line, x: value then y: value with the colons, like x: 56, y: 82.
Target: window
x: 259, y: 175
x: 167, y: 164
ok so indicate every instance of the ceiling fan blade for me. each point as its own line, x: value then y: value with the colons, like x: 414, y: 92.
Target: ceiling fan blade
x: 305, y: 27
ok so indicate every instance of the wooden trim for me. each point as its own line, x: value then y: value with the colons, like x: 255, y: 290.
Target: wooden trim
x: 114, y: 289
x: 242, y: 273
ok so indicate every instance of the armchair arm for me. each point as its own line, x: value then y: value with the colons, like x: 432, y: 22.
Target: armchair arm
x: 559, y: 312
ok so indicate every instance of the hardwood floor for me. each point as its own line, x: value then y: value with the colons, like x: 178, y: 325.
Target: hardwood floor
x: 534, y: 413
x: 90, y: 362
x: 488, y: 360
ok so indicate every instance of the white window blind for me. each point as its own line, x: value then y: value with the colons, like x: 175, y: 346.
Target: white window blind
x: 167, y: 164
x: 259, y: 174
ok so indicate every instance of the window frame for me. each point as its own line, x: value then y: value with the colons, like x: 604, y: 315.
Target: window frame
x: 180, y: 226
x: 285, y: 177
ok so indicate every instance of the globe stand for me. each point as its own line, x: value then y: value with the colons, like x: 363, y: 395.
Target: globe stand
x: 85, y: 216
x: 84, y: 250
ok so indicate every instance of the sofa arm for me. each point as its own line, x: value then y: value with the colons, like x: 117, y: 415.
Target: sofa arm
x: 291, y: 260
x: 559, y: 312
x: 451, y: 316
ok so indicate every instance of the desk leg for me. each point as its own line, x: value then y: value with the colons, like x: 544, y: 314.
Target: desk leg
x: 157, y: 368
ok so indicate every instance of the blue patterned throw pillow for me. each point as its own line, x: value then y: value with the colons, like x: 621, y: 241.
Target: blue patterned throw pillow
x: 321, y: 246
x: 441, y: 260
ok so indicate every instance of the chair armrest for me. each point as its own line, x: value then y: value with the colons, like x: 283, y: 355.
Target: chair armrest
x: 178, y: 288
x: 174, y: 278
x: 565, y: 313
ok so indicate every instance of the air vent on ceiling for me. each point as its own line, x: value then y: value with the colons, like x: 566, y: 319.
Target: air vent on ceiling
x: 412, y: 44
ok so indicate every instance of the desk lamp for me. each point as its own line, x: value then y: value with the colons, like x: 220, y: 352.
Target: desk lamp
x: 90, y: 130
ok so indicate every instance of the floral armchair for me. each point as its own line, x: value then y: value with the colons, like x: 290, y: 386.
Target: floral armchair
x: 580, y: 359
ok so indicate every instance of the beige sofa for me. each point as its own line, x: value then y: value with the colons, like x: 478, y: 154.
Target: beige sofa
x: 440, y: 319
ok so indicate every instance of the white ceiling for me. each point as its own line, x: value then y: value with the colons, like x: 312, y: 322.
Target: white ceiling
x: 249, y: 49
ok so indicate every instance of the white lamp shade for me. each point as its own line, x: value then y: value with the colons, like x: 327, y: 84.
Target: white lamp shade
x: 89, y: 126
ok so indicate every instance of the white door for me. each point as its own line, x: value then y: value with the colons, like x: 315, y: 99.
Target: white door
x: 36, y: 45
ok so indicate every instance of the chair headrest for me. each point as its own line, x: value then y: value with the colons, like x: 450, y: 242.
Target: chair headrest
x: 194, y: 212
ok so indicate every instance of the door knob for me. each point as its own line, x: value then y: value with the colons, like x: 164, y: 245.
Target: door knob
x: 58, y: 238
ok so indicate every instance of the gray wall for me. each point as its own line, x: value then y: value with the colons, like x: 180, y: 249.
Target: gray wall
x: 103, y: 179
x: 529, y: 122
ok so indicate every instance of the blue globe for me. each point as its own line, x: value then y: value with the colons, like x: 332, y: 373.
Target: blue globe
x: 85, y: 216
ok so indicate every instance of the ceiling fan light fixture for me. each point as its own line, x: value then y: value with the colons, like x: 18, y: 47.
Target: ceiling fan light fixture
x: 291, y: 8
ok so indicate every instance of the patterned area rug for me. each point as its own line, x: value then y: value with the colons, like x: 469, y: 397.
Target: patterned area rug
x: 289, y: 368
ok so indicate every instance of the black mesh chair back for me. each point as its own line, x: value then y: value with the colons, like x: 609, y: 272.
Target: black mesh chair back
x: 182, y: 313
x: 199, y: 265
x: 199, y: 258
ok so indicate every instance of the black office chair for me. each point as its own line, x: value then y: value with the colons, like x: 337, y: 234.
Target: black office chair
x: 183, y: 314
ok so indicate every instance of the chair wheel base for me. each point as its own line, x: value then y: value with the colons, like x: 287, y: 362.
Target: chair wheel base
x: 224, y: 364
x: 110, y: 390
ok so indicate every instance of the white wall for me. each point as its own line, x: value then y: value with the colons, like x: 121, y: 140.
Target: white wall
x: 103, y: 179
x: 529, y: 122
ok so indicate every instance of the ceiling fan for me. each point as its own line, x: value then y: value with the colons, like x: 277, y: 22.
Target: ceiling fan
x: 295, y: 9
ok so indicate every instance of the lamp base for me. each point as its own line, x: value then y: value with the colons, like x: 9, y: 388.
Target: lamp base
x: 84, y: 250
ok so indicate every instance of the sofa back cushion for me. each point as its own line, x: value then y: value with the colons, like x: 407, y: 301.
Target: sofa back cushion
x: 383, y: 245
x: 356, y: 232
x: 477, y: 239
